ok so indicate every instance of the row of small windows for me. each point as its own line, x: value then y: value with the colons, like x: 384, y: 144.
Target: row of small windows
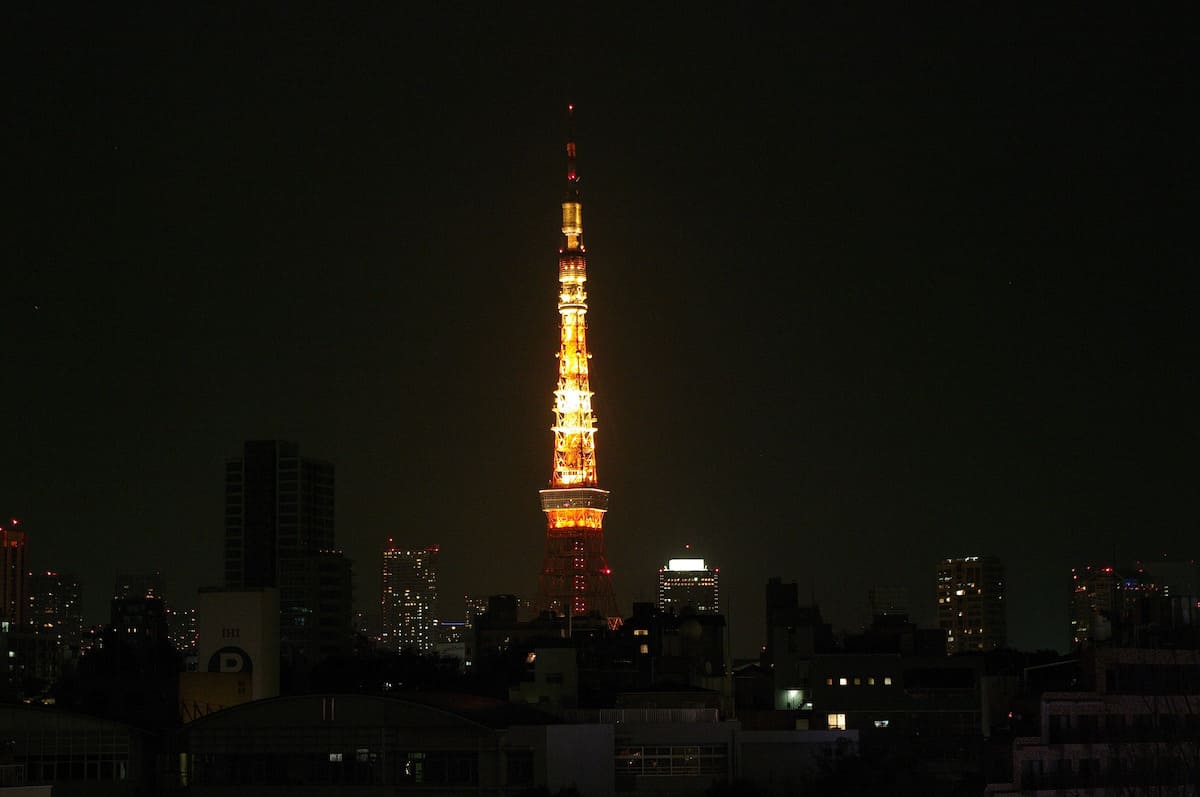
x: 869, y: 680
x: 711, y: 759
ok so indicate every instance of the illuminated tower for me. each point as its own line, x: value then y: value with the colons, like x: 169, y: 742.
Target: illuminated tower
x: 575, y: 574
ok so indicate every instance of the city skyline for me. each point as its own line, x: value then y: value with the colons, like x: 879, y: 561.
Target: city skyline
x: 864, y: 300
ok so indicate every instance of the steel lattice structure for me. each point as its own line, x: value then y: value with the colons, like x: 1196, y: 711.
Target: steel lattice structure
x: 575, y: 578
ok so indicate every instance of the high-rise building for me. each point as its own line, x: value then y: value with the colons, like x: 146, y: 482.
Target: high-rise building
x: 476, y: 605
x: 279, y: 532
x: 14, y: 578
x: 316, y: 595
x: 575, y: 577
x: 138, y: 608
x: 689, y: 584
x: 1093, y: 597
x: 970, y: 603
x: 1129, y: 605
x: 56, y: 606
x: 408, y: 605
x: 278, y: 505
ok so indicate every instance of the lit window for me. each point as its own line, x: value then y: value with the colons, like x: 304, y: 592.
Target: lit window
x: 335, y: 757
x: 887, y: 680
x: 829, y: 682
x: 643, y: 648
x: 881, y: 723
x: 858, y: 681
x: 871, y: 681
x: 641, y: 632
x: 837, y: 722
x: 843, y: 681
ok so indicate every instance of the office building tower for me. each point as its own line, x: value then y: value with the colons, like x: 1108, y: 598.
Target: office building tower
x: 1093, y: 598
x: 971, y: 603
x: 14, y: 578
x: 689, y: 584
x: 56, y: 606
x: 316, y: 601
x: 279, y: 533
x: 408, y: 605
x: 476, y: 605
x: 1124, y: 606
x: 278, y: 505
x: 575, y: 577
x: 137, y: 609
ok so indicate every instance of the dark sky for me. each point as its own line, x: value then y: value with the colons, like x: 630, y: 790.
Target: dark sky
x: 866, y: 290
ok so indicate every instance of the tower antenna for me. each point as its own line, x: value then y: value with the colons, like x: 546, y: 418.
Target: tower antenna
x: 575, y: 577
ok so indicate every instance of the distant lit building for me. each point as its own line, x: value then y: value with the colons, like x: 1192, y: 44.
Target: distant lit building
x: 137, y: 609
x: 56, y: 606
x: 476, y: 605
x: 408, y: 605
x: 689, y: 584
x: 14, y: 581
x: 970, y: 603
x: 182, y: 629
x: 1093, y: 596
x: 888, y: 601
x: 1128, y: 606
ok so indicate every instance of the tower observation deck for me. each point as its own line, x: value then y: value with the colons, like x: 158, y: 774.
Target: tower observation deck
x: 575, y: 578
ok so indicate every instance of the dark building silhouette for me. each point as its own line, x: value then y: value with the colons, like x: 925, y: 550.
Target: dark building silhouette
x: 138, y: 609
x: 888, y: 600
x: 14, y: 582
x: 316, y: 606
x: 279, y: 532
x: 278, y: 505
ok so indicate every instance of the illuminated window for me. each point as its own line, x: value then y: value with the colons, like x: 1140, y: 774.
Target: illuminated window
x: 829, y: 682
x: 858, y: 681
x: 871, y: 681
x: 643, y: 648
x: 335, y: 756
x: 837, y: 722
x: 887, y: 680
x: 881, y: 723
x: 641, y: 632
x: 843, y: 681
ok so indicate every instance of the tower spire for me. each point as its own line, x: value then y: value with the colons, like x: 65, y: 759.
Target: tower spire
x: 576, y: 579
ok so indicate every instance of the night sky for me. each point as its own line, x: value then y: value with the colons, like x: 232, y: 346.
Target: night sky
x: 866, y: 290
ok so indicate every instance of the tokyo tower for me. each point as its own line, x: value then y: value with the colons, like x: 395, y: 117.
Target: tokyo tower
x: 575, y: 579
